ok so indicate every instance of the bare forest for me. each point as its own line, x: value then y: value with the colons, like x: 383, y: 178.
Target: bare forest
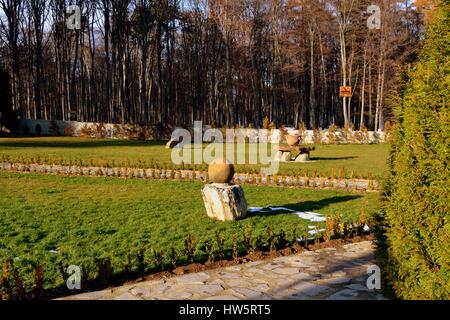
x: 225, y: 62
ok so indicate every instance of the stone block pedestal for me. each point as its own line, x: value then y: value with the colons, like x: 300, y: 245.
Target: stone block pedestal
x: 304, y: 157
x: 224, y: 202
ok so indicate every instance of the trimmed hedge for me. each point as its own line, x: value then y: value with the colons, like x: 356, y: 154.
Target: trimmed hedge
x: 416, y: 211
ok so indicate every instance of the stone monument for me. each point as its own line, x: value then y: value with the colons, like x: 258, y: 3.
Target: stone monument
x: 223, y: 201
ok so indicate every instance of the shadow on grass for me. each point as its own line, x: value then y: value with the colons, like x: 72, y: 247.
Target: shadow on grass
x: 333, y: 158
x: 308, y: 205
x: 47, y: 142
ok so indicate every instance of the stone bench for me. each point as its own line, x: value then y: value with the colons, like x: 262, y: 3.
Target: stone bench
x: 284, y: 153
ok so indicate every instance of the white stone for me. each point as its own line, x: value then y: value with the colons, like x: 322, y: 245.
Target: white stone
x: 224, y: 202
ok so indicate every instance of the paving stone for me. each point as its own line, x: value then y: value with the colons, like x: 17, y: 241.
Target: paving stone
x: 312, y: 269
x: 345, y: 294
x: 224, y: 297
x: 255, y: 271
x: 310, y: 253
x: 199, y: 277
x: 289, y: 295
x: 280, y: 260
x: 331, y: 273
x: 217, y: 281
x: 261, y: 281
x: 302, y: 276
x: 93, y: 295
x: 233, y: 269
x: 362, y: 280
x: 261, y: 287
x: 250, y: 294
x: 351, y: 254
x: 254, y: 263
x: 310, y: 289
x: 301, y: 264
x: 160, y: 289
x: 339, y: 274
x: 209, y: 289
x: 178, y: 294
x: 238, y: 283
x: 296, y: 296
x: 270, y: 266
x: 286, y: 271
x: 141, y: 292
x: 337, y: 280
x: 126, y: 296
x: 228, y: 275
x: 281, y: 283
x: 357, y: 287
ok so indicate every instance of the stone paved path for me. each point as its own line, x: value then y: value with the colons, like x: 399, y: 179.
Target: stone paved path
x: 323, y: 274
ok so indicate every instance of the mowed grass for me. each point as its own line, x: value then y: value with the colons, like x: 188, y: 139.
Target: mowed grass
x: 335, y: 161
x: 46, y: 219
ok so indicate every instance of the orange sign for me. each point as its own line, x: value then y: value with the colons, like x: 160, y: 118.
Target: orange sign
x: 345, y: 91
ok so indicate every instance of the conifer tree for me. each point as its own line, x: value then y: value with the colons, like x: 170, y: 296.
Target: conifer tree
x: 416, y: 202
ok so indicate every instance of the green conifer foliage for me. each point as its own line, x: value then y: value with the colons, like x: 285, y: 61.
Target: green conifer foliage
x: 417, y: 194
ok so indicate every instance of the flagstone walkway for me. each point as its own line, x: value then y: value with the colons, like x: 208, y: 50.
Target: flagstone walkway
x: 331, y: 273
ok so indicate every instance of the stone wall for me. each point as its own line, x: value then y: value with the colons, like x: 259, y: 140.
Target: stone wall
x: 118, y: 131
x: 200, y: 176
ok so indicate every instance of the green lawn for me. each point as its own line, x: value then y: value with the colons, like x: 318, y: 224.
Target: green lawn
x: 86, y: 218
x: 351, y: 161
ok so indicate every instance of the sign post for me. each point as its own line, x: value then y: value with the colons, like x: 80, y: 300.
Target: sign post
x: 345, y: 91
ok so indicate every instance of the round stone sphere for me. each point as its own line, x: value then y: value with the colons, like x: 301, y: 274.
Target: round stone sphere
x: 220, y: 171
x: 292, y: 140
